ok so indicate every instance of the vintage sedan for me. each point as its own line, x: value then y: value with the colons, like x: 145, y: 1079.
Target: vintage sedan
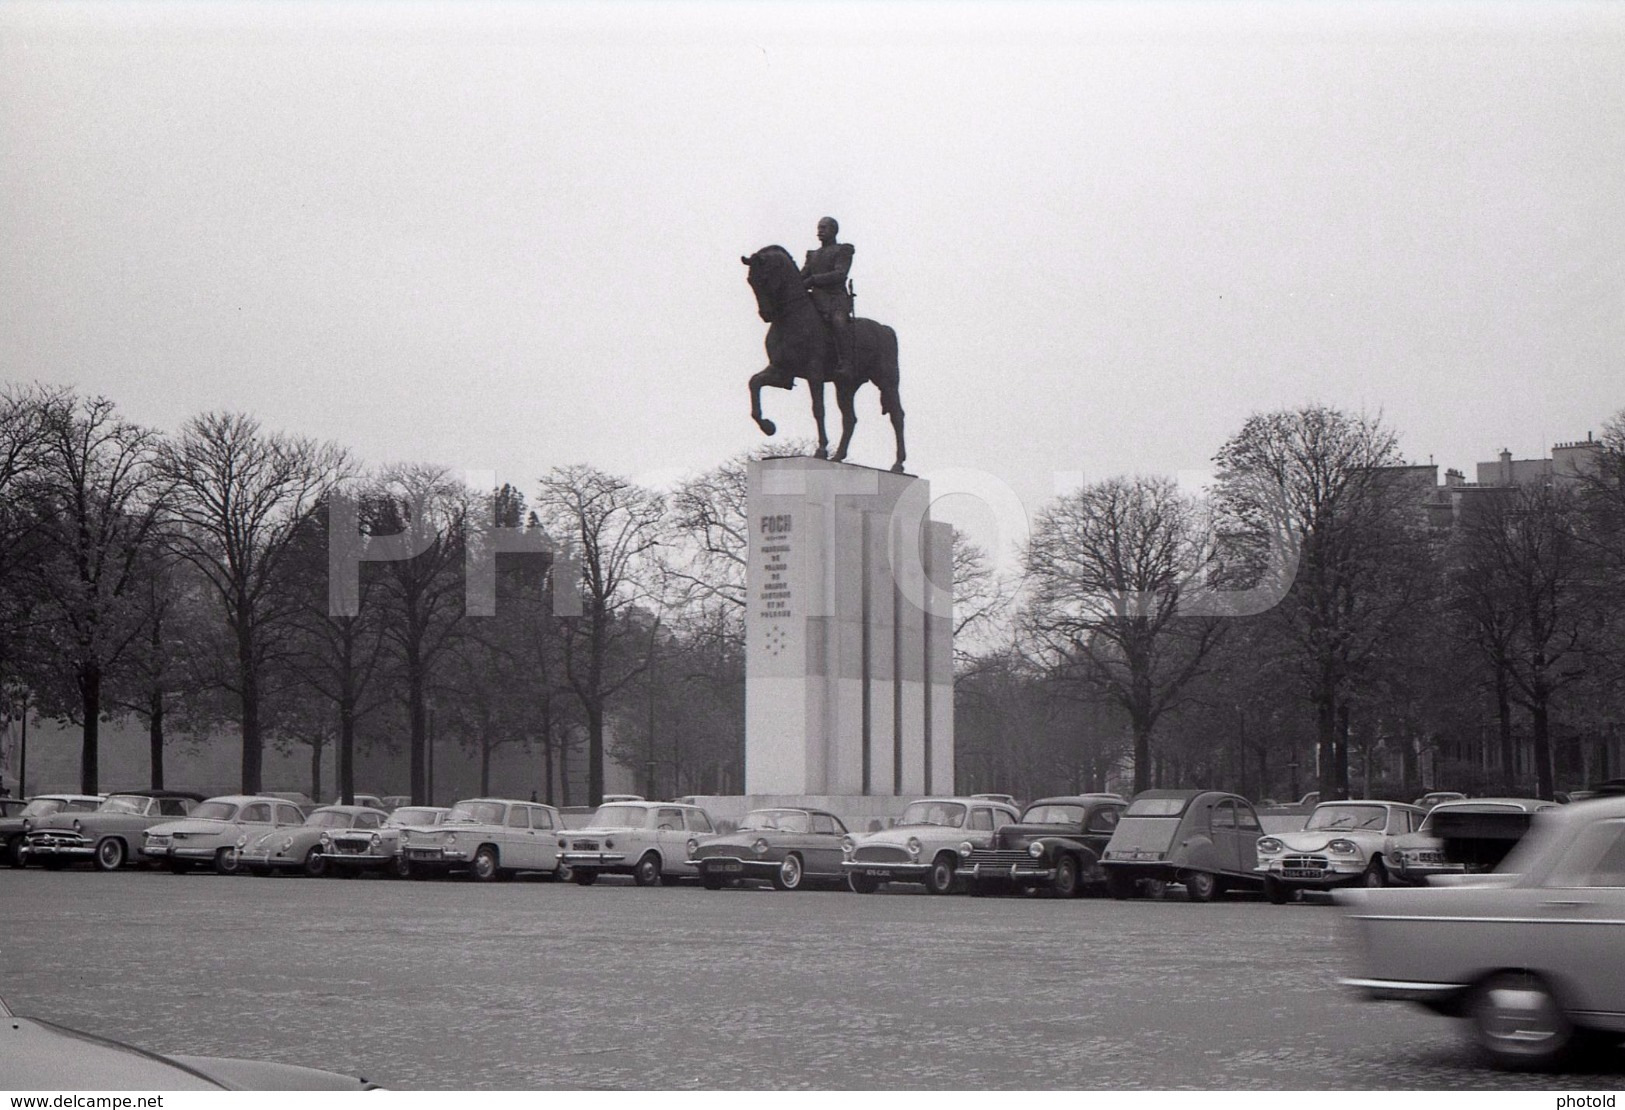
x: 789, y: 848
x: 1530, y: 954
x: 15, y: 829
x: 300, y: 849
x: 486, y: 838
x: 1344, y: 844
x: 1204, y: 839
x: 924, y: 845
x: 353, y: 851
x: 111, y: 836
x: 211, y: 832
x: 1056, y: 846
x: 651, y: 841
x: 1463, y: 838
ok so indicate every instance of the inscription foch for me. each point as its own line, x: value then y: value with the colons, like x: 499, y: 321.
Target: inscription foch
x: 775, y: 538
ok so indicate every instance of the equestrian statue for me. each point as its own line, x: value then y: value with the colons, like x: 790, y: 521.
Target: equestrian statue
x: 811, y: 335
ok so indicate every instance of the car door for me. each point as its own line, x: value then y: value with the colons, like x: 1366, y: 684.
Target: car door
x: 979, y: 826
x: 1227, y: 850
x: 544, y: 841
x: 514, y: 841
x: 1248, y: 830
x: 254, y: 820
x: 824, y: 845
x: 1581, y: 910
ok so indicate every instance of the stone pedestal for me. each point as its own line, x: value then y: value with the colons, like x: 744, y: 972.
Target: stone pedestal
x: 849, y: 633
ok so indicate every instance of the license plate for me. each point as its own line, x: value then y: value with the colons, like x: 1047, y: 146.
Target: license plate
x: 728, y: 867
x: 1300, y: 873
x: 876, y: 872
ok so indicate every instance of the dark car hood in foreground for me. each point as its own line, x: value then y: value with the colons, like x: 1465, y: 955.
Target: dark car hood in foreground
x: 1017, y: 835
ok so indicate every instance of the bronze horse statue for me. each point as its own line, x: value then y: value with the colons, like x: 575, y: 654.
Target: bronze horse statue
x: 799, y: 345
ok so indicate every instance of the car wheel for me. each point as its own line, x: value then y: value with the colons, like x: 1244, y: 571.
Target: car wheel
x: 401, y: 867
x: 1276, y: 891
x: 110, y: 854
x: 862, y: 884
x: 647, y: 871
x: 711, y: 882
x: 940, y: 878
x: 226, y: 862
x: 1200, y: 886
x: 483, y: 867
x: 14, y: 854
x: 583, y: 878
x: 1518, y: 1022
x: 788, y: 876
x: 1066, y: 884
x: 315, y: 865
x: 1375, y: 874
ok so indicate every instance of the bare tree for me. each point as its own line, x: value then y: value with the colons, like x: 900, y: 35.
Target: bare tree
x: 241, y: 496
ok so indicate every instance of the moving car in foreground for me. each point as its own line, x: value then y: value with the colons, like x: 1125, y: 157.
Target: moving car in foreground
x: 488, y: 838
x: 789, y: 848
x: 1056, y: 845
x: 1529, y: 955
x: 300, y: 849
x: 211, y: 832
x: 1464, y: 838
x: 925, y: 845
x: 38, y: 1055
x: 651, y: 841
x: 352, y: 851
x: 111, y: 836
x: 1205, y: 839
x: 14, y: 828
x: 1343, y: 844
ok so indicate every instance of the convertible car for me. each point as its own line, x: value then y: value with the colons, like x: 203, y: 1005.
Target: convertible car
x: 789, y: 848
x: 1529, y: 954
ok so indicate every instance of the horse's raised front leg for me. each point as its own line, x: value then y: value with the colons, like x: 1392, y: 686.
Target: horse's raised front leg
x: 757, y: 381
x: 844, y: 393
x: 816, y: 388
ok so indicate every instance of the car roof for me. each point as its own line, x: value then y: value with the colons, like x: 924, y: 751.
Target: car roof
x: 505, y: 801
x: 143, y: 792
x: 67, y: 797
x: 240, y: 799
x: 1074, y: 799
x: 1367, y: 802
x: 338, y: 808
x: 1467, y: 804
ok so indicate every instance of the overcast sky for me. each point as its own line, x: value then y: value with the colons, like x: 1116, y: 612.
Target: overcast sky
x: 507, y: 237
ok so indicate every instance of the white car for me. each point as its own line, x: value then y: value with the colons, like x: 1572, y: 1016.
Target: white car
x: 351, y: 851
x: 211, y: 832
x: 926, y: 844
x: 488, y: 838
x: 16, y: 827
x: 651, y: 841
x: 1343, y: 844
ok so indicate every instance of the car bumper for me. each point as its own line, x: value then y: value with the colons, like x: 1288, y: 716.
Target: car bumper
x: 594, y: 861
x: 1034, y: 872
x: 887, y: 872
x: 1399, y: 990
x: 437, y: 857
x: 735, y: 867
x: 1338, y: 873
x: 366, y: 860
x: 50, y: 850
x: 184, y: 851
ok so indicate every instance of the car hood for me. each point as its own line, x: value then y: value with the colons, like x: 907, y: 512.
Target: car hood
x: 273, y: 839
x: 1305, y: 840
x: 1026, y: 834
x: 900, y: 834
x: 190, y: 825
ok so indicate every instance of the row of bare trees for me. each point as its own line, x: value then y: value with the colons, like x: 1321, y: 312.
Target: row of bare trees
x: 1323, y: 616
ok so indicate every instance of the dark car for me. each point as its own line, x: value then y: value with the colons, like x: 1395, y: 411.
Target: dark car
x: 1205, y: 839
x: 1464, y: 838
x: 790, y: 848
x: 111, y: 836
x: 1055, y: 846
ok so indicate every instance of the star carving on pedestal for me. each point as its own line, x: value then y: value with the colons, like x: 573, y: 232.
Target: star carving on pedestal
x: 775, y: 640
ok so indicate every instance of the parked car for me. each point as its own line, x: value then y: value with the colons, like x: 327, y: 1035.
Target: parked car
x: 1205, y: 839
x: 789, y: 848
x: 1464, y: 838
x: 211, y: 832
x: 651, y: 841
x: 13, y: 829
x: 392, y: 802
x: 488, y: 838
x: 300, y: 849
x: 110, y: 836
x: 1344, y: 843
x: 1529, y: 955
x: 352, y: 851
x: 925, y: 844
x: 371, y: 801
x: 1434, y: 797
x: 1056, y: 845
x: 1007, y: 799
x: 38, y: 1055
x: 297, y: 797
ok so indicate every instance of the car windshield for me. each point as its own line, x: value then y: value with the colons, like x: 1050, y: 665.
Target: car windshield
x: 775, y: 820
x: 947, y: 814
x: 1333, y: 817
x: 1157, y: 807
x: 43, y: 807
x: 1053, y: 815
x: 216, y: 811
x: 477, y: 813
x: 619, y: 817
x: 124, y: 803
x: 330, y: 819
x: 414, y: 815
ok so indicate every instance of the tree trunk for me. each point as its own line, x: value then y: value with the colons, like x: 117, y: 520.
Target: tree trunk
x: 316, y: 747
x: 595, y: 753
x: 417, y: 715
x: 1544, y: 784
x: 90, y: 703
x: 253, y: 749
x: 1344, y: 787
x: 155, y: 737
x: 346, y: 754
x: 1326, y: 741
x: 1142, y: 755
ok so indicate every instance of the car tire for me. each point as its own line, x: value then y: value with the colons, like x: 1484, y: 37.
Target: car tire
x: 939, y: 878
x: 862, y: 884
x: 1201, y: 886
x: 1518, y: 1022
x: 227, y: 862
x: 315, y: 865
x: 711, y: 882
x: 1276, y: 891
x: 14, y: 854
x: 583, y: 878
x: 1376, y: 875
x: 789, y: 874
x: 483, y: 867
x: 1067, y: 882
x: 110, y: 854
x: 400, y: 867
x: 646, y: 872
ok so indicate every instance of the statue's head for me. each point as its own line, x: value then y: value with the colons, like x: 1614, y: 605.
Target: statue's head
x: 828, y: 228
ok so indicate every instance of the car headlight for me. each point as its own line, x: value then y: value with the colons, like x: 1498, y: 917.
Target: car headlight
x: 847, y: 845
x: 451, y: 839
x: 1269, y: 845
x: 405, y: 836
x: 242, y: 842
x: 1036, y: 849
x: 562, y: 844
x: 609, y: 842
x: 693, y: 843
x: 287, y: 842
x: 327, y: 841
x: 760, y: 846
x: 28, y: 823
x: 913, y: 847
x: 1344, y: 847
x: 966, y: 848
x: 77, y: 827
x: 375, y: 841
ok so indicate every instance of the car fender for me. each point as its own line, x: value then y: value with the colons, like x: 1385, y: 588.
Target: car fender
x: 1197, y: 853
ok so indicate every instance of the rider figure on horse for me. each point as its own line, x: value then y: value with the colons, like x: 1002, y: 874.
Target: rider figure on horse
x: 825, y: 277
